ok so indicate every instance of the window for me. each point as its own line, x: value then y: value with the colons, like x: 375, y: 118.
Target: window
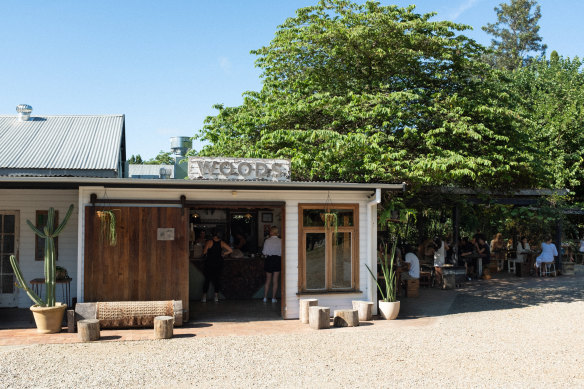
x: 8, y: 247
x: 41, y: 222
x: 328, y: 255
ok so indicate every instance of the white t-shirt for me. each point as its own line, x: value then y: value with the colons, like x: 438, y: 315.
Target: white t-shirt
x: 272, y: 246
x: 439, y: 256
x: 412, y: 259
x: 581, y: 249
x: 521, y: 252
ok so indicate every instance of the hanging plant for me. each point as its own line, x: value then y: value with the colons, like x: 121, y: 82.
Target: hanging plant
x: 107, y: 221
x: 330, y: 218
x: 331, y: 221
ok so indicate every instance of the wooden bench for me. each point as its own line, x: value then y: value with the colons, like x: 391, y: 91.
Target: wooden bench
x: 129, y: 314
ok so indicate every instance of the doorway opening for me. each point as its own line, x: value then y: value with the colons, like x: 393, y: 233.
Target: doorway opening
x: 241, y: 278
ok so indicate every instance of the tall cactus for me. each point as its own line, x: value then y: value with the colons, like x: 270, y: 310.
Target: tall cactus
x: 49, y: 233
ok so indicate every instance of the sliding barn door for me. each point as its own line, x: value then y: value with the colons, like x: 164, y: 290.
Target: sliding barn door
x: 148, y: 262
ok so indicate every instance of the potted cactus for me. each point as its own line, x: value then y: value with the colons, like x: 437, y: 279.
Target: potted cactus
x: 48, y: 314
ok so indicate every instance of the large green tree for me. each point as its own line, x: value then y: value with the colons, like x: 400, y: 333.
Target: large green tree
x: 553, y: 98
x: 516, y: 34
x: 365, y: 92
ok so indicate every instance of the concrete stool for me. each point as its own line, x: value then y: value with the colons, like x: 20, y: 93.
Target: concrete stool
x: 346, y: 318
x: 364, y: 309
x: 304, y: 305
x: 319, y: 317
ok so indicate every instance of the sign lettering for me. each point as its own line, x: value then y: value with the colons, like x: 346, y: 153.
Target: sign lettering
x: 202, y: 168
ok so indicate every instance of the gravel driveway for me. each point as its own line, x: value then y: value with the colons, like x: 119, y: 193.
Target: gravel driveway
x: 525, y: 334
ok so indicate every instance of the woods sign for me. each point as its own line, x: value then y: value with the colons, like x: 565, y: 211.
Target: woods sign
x: 201, y: 168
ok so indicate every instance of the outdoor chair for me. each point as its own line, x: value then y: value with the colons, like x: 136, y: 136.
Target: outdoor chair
x: 545, y: 269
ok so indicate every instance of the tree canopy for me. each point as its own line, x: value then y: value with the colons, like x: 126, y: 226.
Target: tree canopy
x: 365, y: 92
x: 516, y: 34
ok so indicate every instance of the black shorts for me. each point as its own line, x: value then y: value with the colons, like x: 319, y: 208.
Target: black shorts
x: 273, y: 264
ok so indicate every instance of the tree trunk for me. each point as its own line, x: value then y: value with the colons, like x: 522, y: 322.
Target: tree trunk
x: 364, y: 309
x: 346, y: 318
x: 304, y: 305
x: 88, y: 330
x: 163, y: 326
x: 319, y: 317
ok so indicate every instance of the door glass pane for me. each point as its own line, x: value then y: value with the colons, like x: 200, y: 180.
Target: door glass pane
x: 9, y: 223
x: 6, y: 267
x: 8, y: 244
x: 315, y: 261
x: 8, y: 284
x: 342, y: 255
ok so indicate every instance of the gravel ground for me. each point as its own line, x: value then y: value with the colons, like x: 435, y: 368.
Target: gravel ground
x: 526, y: 335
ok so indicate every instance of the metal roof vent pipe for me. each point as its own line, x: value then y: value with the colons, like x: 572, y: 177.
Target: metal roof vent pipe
x: 24, y: 111
x: 180, y: 145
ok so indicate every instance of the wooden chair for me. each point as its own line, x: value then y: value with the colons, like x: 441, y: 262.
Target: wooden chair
x: 545, y: 269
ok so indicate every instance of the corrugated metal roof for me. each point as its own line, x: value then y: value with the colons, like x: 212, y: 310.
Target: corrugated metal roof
x: 75, y: 182
x: 83, y: 143
x: 148, y: 171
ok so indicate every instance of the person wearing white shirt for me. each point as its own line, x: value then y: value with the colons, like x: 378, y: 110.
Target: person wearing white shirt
x: 413, y: 266
x: 273, y: 264
x: 548, y: 252
x: 522, y: 249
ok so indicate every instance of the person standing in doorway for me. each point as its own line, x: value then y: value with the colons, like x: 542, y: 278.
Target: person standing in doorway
x: 214, y: 251
x: 273, y: 265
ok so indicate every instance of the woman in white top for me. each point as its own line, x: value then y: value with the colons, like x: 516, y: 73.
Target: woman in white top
x: 581, y: 248
x: 272, y: 266
x: 439, y: 257
x: 548, y: 252
x: 522, y: 249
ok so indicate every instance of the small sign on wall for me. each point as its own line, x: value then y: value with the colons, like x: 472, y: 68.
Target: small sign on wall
x: 165, y: 234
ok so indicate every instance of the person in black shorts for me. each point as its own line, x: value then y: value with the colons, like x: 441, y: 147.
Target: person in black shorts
x: 273, y: 264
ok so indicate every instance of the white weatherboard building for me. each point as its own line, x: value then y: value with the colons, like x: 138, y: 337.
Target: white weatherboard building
x: 159, y: 221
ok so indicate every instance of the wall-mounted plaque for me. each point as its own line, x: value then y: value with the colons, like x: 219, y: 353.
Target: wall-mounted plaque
x: 165, y: 234
x: 251, y: 169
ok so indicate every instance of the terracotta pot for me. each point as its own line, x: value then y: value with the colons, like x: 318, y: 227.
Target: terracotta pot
x: 48, y: 319
x: 388, y: 310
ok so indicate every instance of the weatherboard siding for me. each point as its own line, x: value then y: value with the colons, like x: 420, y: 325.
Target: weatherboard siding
x: 291, y: 198
x: 27, y: 202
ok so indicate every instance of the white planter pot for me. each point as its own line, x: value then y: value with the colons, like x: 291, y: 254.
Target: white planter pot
x: 388, y: 310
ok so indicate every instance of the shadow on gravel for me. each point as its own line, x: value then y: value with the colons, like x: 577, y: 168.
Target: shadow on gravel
x: 502, y: 292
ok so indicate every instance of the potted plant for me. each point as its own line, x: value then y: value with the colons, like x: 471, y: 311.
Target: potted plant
x: 48, y: 314
x: 388, y: 305
x: 108, y: 226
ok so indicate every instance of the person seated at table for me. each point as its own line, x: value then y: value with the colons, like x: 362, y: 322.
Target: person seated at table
x: 412, y: 263
x: 466, y: 250
x: 498, y: 247
x: 548, y: 252
x: 426, y: 252
x: 522, y: 249
x: 482, y: 249
x: 440, y: 248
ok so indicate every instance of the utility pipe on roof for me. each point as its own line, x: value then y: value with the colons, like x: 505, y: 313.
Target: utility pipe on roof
x: 372, y: 259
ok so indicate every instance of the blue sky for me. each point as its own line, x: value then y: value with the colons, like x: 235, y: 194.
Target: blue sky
x: 165, y: 63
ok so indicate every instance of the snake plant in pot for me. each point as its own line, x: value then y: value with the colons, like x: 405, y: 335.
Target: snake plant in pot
x: 388, y: 305
x: 47, y: 313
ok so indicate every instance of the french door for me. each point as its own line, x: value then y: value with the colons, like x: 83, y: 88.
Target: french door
x: 8, y: 246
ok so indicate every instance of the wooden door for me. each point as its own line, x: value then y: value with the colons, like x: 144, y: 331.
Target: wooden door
x: 140, y: 267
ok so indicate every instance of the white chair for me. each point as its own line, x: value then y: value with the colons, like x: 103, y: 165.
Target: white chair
x: 511, y: 265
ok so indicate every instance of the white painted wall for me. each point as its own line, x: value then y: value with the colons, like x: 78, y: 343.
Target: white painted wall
x: 27, y: 202
x: 292, y: 199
